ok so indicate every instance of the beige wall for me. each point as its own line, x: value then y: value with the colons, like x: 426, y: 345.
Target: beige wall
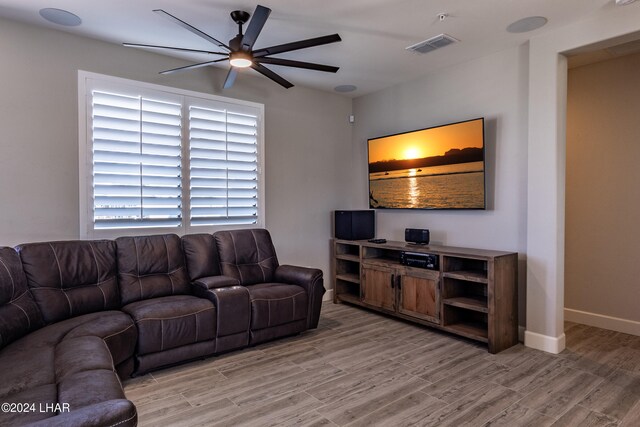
x: 493, y: 87
x: 307, y: 139
x: 602, y: 272
x: 546, y: 164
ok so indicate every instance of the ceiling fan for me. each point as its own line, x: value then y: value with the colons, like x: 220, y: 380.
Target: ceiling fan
x: 240, y: 52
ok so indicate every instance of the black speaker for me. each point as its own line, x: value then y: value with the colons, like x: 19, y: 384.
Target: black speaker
x: 355, y: 225
x: 419, y: 236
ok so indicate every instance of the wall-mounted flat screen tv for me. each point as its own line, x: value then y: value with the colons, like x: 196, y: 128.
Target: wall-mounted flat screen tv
x: 436, y: 168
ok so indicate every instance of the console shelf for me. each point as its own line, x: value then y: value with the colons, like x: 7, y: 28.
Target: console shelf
x: 476, y: 331
x: 349, y: 277
x: 472, y: 293
x: 471, y: 276
x: 347, y: 257
x: 469, y: 302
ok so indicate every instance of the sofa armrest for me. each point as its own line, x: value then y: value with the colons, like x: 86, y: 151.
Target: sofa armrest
x: 294, y: 275
x: 233, y: 307
x: 311, y: 280
x: 214, y: 282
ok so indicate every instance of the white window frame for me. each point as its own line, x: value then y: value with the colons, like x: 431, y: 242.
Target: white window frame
x: 88, y: 81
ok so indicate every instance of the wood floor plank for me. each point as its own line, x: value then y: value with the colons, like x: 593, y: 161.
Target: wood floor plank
x: 195, y: 417
x: 357, y: 382
x: 475, y: 408
x: 272, y: 413
x: 568, y: 388
x: 369, y: 399
x: 632, y: 419
x: 465, y: 381
x: 310, y: 419
x: 193, y: 370
x: 157, y: 411
x: 436, y: 365
x: 518, y: 415
x: 537, y: 371
x: 282, y: 386
x: 401, y: 411
x: 579, y: 416
x: 139, y: 382
x: 202, y: 395
x: 141, y: 396
x: 616, y: 395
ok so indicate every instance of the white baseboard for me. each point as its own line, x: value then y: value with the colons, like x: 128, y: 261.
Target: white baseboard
x: 631, y: 327
x: 328, y: 296
x: 544, y: 342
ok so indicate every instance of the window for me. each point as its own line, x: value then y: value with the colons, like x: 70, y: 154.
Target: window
x: 136, y: 163
x: 157, y: 159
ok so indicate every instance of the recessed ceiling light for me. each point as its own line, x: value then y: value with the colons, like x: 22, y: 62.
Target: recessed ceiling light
x: 345, y: 88
x: 60, y: 17
x: 624, y: 2
x: 527, y: 24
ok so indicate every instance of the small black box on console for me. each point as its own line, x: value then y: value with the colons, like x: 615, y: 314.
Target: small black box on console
x: 420, y: 260
x: 419, y: 236
x: 355, y: 225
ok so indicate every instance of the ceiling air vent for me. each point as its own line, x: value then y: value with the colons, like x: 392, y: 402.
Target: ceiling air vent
x: 432, y: 44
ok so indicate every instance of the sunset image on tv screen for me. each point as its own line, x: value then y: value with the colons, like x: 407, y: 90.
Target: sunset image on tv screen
x: 435, y: 168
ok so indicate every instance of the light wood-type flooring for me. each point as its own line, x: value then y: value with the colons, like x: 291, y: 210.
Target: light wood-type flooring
x: 361, y: 368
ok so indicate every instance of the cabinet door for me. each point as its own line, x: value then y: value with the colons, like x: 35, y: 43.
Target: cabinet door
x: 419, y: 295
x: 378, y: 287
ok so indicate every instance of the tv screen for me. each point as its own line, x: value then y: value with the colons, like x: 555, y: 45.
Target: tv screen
x: 436, y: 168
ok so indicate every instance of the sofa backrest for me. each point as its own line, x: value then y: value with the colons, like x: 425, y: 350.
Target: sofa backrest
x: 19, y: 313
x: 247, y: 255
x: 201, y: 256
x: 151, y: 267
x: 71, y: 278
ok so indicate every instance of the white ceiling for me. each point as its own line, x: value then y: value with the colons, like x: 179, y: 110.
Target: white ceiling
x: 375, y: 33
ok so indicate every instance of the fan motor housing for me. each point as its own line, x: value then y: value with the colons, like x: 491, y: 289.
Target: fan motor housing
x: 235, y: 43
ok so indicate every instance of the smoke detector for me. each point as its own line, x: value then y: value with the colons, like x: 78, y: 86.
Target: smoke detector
x: 432, y: 44
x: 624, y: 2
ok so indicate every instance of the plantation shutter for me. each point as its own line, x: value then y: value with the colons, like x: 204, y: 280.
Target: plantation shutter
x: 223, y: 153
x: 136, y: 161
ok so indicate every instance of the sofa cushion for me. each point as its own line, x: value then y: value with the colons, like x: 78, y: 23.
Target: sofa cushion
x: 115, y: 328
x: 31, y: 361
x: 75, y: 355
x: 69, y: 362
x: 151, y: 267
x: 90, y: 387
x: 46, y: 394
x: 19, y: 313
x: 275, y: 304
x: 113, y: 413
x: 247, y: 255
x: 71, y: 278
x: 201, y: 256
x: 173, y: 321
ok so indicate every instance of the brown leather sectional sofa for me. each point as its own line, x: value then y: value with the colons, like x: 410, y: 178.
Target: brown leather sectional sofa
x: 76, y: 317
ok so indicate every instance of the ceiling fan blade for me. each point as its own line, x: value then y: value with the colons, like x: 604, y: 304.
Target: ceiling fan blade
x: 192, y: 66
x: 231, y: 78
x: 182, y: 49
x: 256, y: 24
x: 297, y: 64
x: 302, y: 44
x: 194, y: 30
x: 270, y: 74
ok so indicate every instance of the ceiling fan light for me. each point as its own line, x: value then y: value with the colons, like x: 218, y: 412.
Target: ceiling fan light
x: 241, y: 59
